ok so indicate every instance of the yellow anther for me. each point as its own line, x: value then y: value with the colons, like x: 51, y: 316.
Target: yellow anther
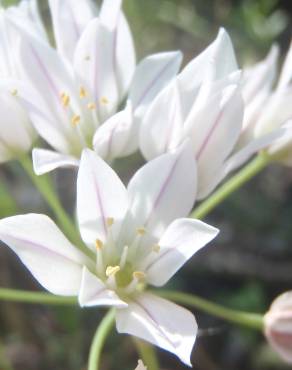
x: 109, y: 221
x: 139, y: 275
x: 104, y: 100
x: 98, y: 244
x: 65, y: 99
x: 75, y: 120
x: 82, y: 92
x: 156, y: 248
x: 91, y: 106
x: 141, y: 230
x: 87, y: 57
x: 14, y: 92
x: 112, y: 270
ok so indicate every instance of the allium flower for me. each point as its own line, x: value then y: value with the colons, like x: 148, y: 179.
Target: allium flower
x: 278, y: 326
x: 136, y: 238
x: 78, y: 88
x: 17, y: 133
x: 203, y: 103
x: 268, y: 108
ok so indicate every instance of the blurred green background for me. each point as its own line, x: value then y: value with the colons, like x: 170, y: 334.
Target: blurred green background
x: 245, y: 268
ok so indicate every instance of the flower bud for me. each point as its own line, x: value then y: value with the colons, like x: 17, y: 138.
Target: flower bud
x: 278, y: 326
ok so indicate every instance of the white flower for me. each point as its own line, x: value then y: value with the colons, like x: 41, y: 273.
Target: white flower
x: 203, y: 103
x: 16, y: 134
x: 78, y: 88
x: 136, y: 238
x: 267, y: 107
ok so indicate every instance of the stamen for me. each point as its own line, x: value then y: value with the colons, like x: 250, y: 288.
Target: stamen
x: 87, y: 57
x: 91, y: 106
x: 112, y: 270
x: 65, y: 99
x: 14, y: 92
x: 82, y: 92
x: 98, y: 244
x: 104, y: 100
x: 75, y: 120
x: 139, y: 275
x: 141, y: 230
x: 110, y: 221
x: 156, y: 248
x: 124, y: 256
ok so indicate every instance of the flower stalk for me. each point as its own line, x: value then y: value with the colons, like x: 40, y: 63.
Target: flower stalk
x: 234, y: 183
x: 247, y: 319
x: 147, y: 353
x: 99, y: 338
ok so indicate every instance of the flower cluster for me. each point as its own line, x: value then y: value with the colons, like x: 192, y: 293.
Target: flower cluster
x: 90, y: 101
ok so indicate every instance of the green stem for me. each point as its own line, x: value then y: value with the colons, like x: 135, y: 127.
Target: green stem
x: 44, y: 185
x: 99, y: 339
x: 251, y: 320
x: 14, y: 295
x: 147, y: 354
x: 235, y: 182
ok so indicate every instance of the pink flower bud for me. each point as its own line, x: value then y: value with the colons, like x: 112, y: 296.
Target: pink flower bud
x: 278, y: 326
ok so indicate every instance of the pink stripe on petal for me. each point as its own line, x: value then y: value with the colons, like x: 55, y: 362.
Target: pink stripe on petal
x: 152, y: 83
x: 210, y: 134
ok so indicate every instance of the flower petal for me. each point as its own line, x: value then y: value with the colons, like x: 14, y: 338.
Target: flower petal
x: 214, y: 63
x: 17, y: 134
x: 214, y: 134
x: 47, y: 160
x: 94, y: 66
x: 93, y: 292
x: 151, y: 75
x: 286, y: 73
x: 100, y: 195
x: 261, y: 76
x: 69, y: 19
x: 45, y: 251
x: 116, y: 137
x: 155, y: 186
x: 161, y: 323
x: 181, y: 240
x: 157, y: 135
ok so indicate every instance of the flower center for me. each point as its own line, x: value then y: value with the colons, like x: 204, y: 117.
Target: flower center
x: 117, y: 266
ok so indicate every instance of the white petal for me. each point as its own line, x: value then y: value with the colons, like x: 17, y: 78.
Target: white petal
x: 93, y: 292
x: 69, y: 19
x: 100, y: 195
x: 45, y: 160
x: 115, y: 137
x: 261, y: 76
x: 159, y: 135
x: 151, y: 75
x: 124, y: 59
x: 215, y: 132
x: 286, y: 73
x: 45, y: 251
x: 46, y: 71
x: 181, y: 240
x: 44, y: 121
x: 155, y: 186
x: 161, y: 323
x: 94, y: 65
x: 281, y: 147
x: 17, y: 133
x: 214, y: 63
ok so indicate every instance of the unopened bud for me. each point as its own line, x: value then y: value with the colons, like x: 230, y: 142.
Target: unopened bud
x: 278, y: 326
